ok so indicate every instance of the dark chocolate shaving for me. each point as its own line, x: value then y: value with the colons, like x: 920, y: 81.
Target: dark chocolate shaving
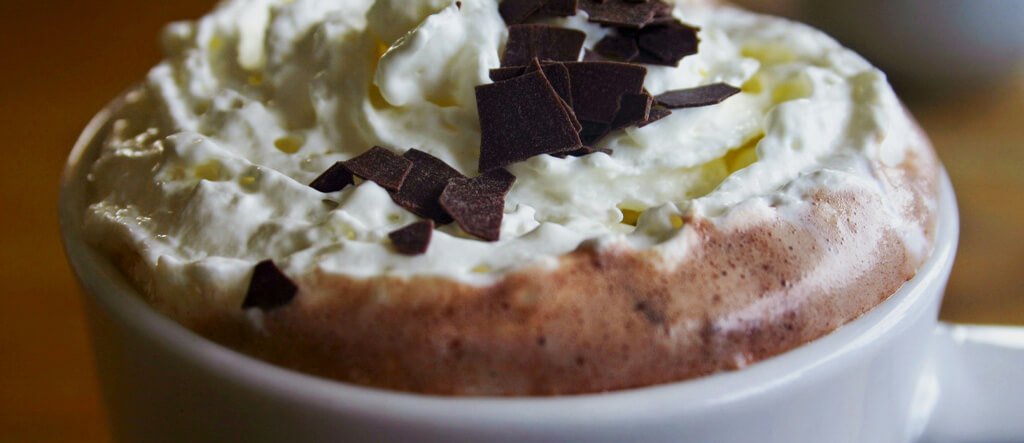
x: 584, y: 151
x: 495, y: 183
x: 576, y: 125
x: 647, y: 58
x: 380, y: 166
x: 665, y: 42
x: 657, y: 113
x: 598, y: 86
x: 634, y: 109
x: 521, y: 118
x: 557, y: 75
x: 478, y: 204
x: 695, y: 97
x: 413, y: 239
x: 669, y: 42
x: 593, y: 56
x: 621, y: 13
x: 617, y: 47
x: 334, y: 179
x: 662, y: 10
x: 526, y: 42
x: 560, y: 8
x: 518, y: 11
x: 592, y: 132
x: 422, y: 187
x: 269, y: 288
x: 602, y: 94
x: 506, y: 73
x: 662, y: 20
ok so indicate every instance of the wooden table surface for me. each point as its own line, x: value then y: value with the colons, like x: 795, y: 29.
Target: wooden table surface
x: 64, y: 59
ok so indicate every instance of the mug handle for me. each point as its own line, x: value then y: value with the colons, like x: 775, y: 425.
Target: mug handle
x: 973, y: 387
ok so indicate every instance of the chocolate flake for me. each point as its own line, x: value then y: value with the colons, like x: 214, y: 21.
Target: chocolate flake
x: 657, y: 113
x: 521, y: 118
x: 558, y: 78
x: 424, y: 184
x: 695, y: 97
x: 561, y: 8
x: 557, y: 75
x: 617, y: 47
x: 576, y: 125
x: 661, y: 40
x: 598, y: 86
x: 621, y: 13
x: 269, y: 288
x: 669, y: 42
x: 478, y: 204
x: 634, y: 109
x: 645, y: 57
x: 380, y: 166
x: 496, y: 183
x: 334, y: 179
x: 584, y: 151
x: 662, y: 9
x: 594, y: 56
x: 526, y: 42
x: 506, y: 73
x: 413, y: 239
x: 518, y: 11
x: 592, y: 132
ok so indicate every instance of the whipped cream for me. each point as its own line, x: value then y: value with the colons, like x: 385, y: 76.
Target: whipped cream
x: 206, y: 171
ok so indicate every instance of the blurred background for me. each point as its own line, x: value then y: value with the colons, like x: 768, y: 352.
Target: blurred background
x: 956, y: 62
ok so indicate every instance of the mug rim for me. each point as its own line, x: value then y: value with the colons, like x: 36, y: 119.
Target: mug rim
x: 107, y: 286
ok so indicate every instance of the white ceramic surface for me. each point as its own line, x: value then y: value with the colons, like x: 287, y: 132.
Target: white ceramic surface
x: 890, y: 376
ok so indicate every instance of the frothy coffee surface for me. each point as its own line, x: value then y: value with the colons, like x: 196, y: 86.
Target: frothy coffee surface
x: 799, y: 189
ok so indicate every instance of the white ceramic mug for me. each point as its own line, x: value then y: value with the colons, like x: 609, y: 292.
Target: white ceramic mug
x: 893, y: 375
